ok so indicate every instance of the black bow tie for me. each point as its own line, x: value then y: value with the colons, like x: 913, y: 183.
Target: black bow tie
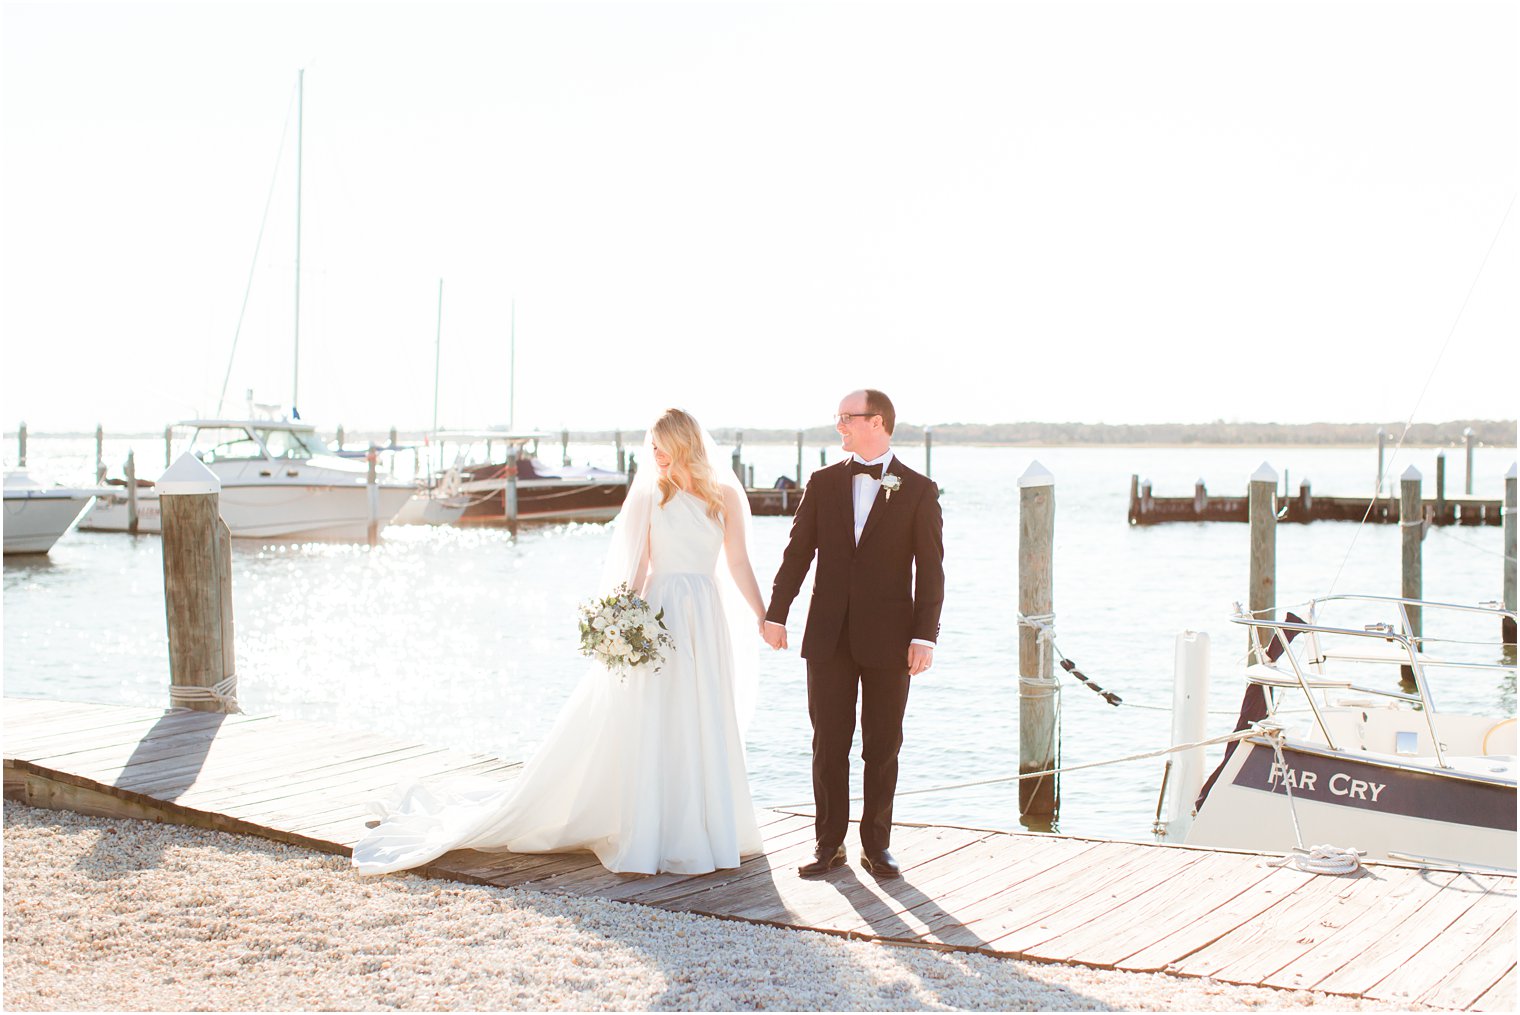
x: 858, y: 467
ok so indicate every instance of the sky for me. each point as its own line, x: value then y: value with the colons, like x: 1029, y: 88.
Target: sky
x: 1093, y: 212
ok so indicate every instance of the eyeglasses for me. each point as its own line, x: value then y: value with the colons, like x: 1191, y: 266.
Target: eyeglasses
x: 845, y: 417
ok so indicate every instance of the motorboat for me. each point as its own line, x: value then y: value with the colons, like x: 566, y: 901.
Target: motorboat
x: 278, y: 482
x: 486, y: 461
x: 37, y: 515
x: 1346, y: 742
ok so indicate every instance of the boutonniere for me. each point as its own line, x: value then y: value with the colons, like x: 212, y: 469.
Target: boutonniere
x: 891, y: 483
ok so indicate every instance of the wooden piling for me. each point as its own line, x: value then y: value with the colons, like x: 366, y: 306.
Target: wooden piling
x: 1305, y: 499
x: 799, y: 459
x: 1441, y: 485
x: 393, y: 438
x: 1134, y: 499
x: 1200, y: 496
x: 372, y: 489
x: 622, y: 457
x: 509, y: 492
x: 1508, y: 623
x: 1470, y: 439
x: 130, y: 469
x: 197, y: 589
x: 1262, y: 510
x: 168, y: 445
x: 21, y: 445
x: 564, y: 447
x: 1039, y: 732
x: 100, y: 453
x: 928, y: 453
x: 1412, y: 528
x: 340, y: 436
x: 1382, y: 439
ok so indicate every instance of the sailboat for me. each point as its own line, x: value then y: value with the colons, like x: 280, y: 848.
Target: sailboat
x: 431, y: 505
x: 487, y: 463
x: 278, y: 479
x: 1372, y: 764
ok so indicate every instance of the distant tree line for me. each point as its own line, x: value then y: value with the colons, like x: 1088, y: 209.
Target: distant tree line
x: 1490, y: 433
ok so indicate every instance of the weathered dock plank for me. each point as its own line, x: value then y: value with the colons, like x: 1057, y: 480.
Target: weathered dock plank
x: 1153, y: 915
x: 1459, y: 949
x: 1349, y: 940
x: 1394, y: 932
x: 1285, y: 931
x: 1501, y: 996
x: 1396, y: 945
x: 1462, y: 987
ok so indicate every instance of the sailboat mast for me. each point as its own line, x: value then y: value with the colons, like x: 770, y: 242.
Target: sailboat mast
x: 437, y: 354
x: 512, y: 373
x: 295, y: 381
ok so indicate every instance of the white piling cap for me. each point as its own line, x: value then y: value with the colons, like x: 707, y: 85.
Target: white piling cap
x: 1412, y: 473
x: 1036, y: 475
x: 1264, y: 474
x: 188, y: 475
x: 1511, y: 473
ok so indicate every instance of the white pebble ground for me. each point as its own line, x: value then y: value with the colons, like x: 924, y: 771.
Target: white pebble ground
x: 129, y: 915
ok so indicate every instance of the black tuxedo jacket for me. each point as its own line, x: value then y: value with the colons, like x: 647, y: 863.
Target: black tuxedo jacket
x: 891, y: 586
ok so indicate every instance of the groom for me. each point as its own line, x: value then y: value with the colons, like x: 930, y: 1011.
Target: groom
x: 876, y: 528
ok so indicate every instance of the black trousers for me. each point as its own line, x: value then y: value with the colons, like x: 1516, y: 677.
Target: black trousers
x: 883, y: 694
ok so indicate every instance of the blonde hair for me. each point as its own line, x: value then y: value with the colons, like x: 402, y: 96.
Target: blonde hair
x: 677, y: 434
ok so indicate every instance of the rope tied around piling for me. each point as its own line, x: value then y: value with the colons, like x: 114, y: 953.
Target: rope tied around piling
x: 1045, y: 632
x: 1043, y: 626
x: 223, y: 694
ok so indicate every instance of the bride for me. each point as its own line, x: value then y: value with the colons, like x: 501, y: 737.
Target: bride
x: 648, y: 772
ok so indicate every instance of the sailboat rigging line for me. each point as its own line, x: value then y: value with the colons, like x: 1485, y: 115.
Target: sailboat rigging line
x: 1429, y: 376
x: 1475, y: 546
x: 279, y: 156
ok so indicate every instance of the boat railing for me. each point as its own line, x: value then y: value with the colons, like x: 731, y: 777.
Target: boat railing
x: 1403, y: 606
x: 1404, y: 638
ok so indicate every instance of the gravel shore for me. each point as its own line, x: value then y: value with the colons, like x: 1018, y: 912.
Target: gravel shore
x: 127, y: 915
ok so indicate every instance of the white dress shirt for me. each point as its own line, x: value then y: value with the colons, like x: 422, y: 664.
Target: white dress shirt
x: 865, y: 491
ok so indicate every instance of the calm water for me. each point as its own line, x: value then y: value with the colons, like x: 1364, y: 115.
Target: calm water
x: 467, y: 637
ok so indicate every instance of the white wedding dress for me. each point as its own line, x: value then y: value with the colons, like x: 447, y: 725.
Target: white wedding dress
x: 647, y: 773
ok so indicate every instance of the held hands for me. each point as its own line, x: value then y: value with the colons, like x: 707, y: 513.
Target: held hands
x: 920, y: 658
x: 774, y: 634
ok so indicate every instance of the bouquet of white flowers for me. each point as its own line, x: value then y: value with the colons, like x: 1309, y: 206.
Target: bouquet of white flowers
x: 623, y: 631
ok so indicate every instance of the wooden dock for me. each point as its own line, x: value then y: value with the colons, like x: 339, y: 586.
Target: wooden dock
x: 773, y: 501
x: 1393, y: 932
x: 1303, y: 507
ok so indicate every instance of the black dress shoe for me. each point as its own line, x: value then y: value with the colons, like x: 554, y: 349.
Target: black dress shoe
x: 823, y: 861
x: 880, y: 863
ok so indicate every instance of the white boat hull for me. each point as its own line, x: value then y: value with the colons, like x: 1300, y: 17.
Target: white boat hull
x: 34, y: 521
x: 424, y: 510
x: 1394, y: 808
x: 269, y: 511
